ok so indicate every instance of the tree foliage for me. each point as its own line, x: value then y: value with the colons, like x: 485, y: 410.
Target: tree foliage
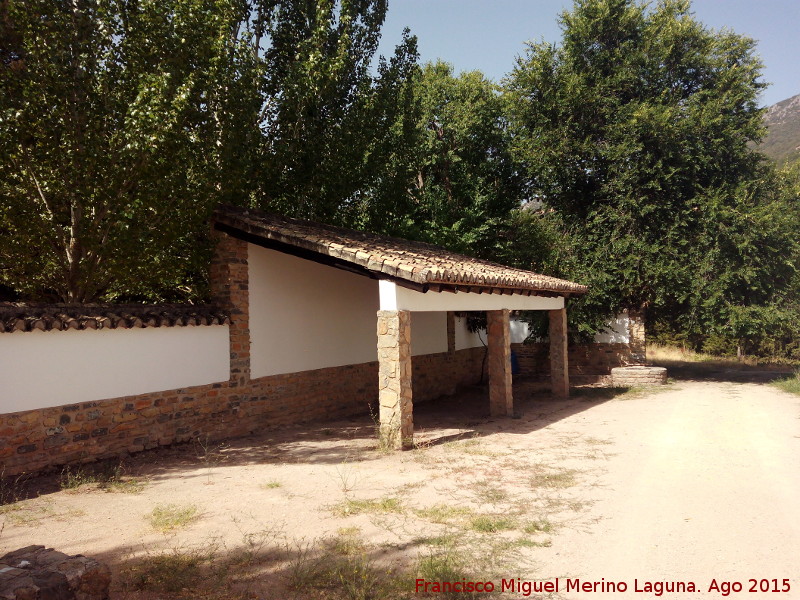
x: 122, y: 123
x: 635, y: 131
x: 330, y: 126
x: 109, y: 124
x: 464, y: 189
x: 621, y: 157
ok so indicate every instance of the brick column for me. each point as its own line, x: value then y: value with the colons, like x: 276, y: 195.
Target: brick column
x: 228, y: 279
x: 501, y: 398
x: 559, y: 362
x: 394, y: 378
x: 636, y: 338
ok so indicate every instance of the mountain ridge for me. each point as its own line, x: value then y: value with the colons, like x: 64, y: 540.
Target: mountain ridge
x: 782, y: 142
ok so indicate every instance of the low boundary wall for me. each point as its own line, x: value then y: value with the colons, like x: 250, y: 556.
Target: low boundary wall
x: 84, y: 431
x: 588, y: 363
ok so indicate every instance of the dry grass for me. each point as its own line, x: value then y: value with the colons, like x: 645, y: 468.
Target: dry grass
x: 352, y: 507
x: 490, y: 492
x: 539, y: 526
x: 341, y: 567
x: 168, y: 517
x: 31, y: 513
x: 491, y: 523
x: 671, y: 355
x: 443, y: 513
x: 685, y: 364
x: 553, y: 478
x: 169, y: 572
x: 107, y: 477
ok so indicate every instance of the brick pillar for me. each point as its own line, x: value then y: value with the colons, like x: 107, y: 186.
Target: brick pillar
x: 394, y: 378
x: 501, y: 398
x: 636, y: 338
x: 228, y: 279
x: 451, y: 332
x: 559, y: 362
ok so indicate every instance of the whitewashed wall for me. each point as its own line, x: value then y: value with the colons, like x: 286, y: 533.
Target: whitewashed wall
x: 428, y: 332
x: 618, y: 331
x: 465, y: 339
x: 519, y: 331
x: 304, y: 315
x: 41, y: 369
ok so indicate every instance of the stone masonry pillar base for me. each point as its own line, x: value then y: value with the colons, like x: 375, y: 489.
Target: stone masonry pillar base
x: 394, y: 379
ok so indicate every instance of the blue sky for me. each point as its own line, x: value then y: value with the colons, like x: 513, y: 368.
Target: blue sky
x: 488, y: 34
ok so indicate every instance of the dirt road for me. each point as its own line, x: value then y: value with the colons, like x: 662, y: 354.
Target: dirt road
x: 702, y: 486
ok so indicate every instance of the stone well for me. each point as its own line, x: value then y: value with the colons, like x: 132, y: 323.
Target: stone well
x: 638, y: 376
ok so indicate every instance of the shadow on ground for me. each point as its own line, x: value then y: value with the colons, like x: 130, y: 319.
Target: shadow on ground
x: 463, y: 415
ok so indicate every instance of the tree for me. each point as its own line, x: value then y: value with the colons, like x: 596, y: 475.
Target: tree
x: 110, y: 116
x: 463, y: 187
x: 122, y: 124
x: 331, y: 127
x: 635, y: 130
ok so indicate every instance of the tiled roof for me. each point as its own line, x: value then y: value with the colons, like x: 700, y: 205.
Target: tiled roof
x: 46, y: 317
x: 423, y: 265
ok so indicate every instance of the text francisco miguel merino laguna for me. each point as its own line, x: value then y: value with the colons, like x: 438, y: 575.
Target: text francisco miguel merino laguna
x: 526, y: 588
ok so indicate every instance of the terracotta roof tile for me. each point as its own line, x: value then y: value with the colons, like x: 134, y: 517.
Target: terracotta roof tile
x: 417, y: 263
x: 47, y: 317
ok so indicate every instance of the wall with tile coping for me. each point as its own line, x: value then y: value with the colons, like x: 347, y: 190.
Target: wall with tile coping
x: 80, y: 432
x: 41, y: 369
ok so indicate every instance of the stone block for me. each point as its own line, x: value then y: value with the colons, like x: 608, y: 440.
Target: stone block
x: 36, y: 572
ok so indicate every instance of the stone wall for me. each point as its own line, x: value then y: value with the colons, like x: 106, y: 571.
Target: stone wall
x: 80, y: 432
x: 39, y: 573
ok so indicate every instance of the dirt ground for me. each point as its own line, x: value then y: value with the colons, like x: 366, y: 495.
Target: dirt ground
x: 696, y: 483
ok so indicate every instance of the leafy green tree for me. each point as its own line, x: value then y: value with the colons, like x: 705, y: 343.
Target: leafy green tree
x: 122, y: 124
x: 464, y: 186
x: 332, y: 128
x: 111, y: 116
x: 745, y: 298
x: 635, y: 130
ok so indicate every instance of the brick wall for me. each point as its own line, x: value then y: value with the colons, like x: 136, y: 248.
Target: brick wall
x: 588, y: 363
x: 36, y: 439
x: 436, y: 375
x: 33, y: 440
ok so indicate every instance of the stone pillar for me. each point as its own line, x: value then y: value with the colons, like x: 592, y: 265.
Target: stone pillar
x: 451, y: 332
x: 636, y: 338
x: 559, y: 358
x: 229, y: 282
x: 394, y: 379
x: 501, y: 398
